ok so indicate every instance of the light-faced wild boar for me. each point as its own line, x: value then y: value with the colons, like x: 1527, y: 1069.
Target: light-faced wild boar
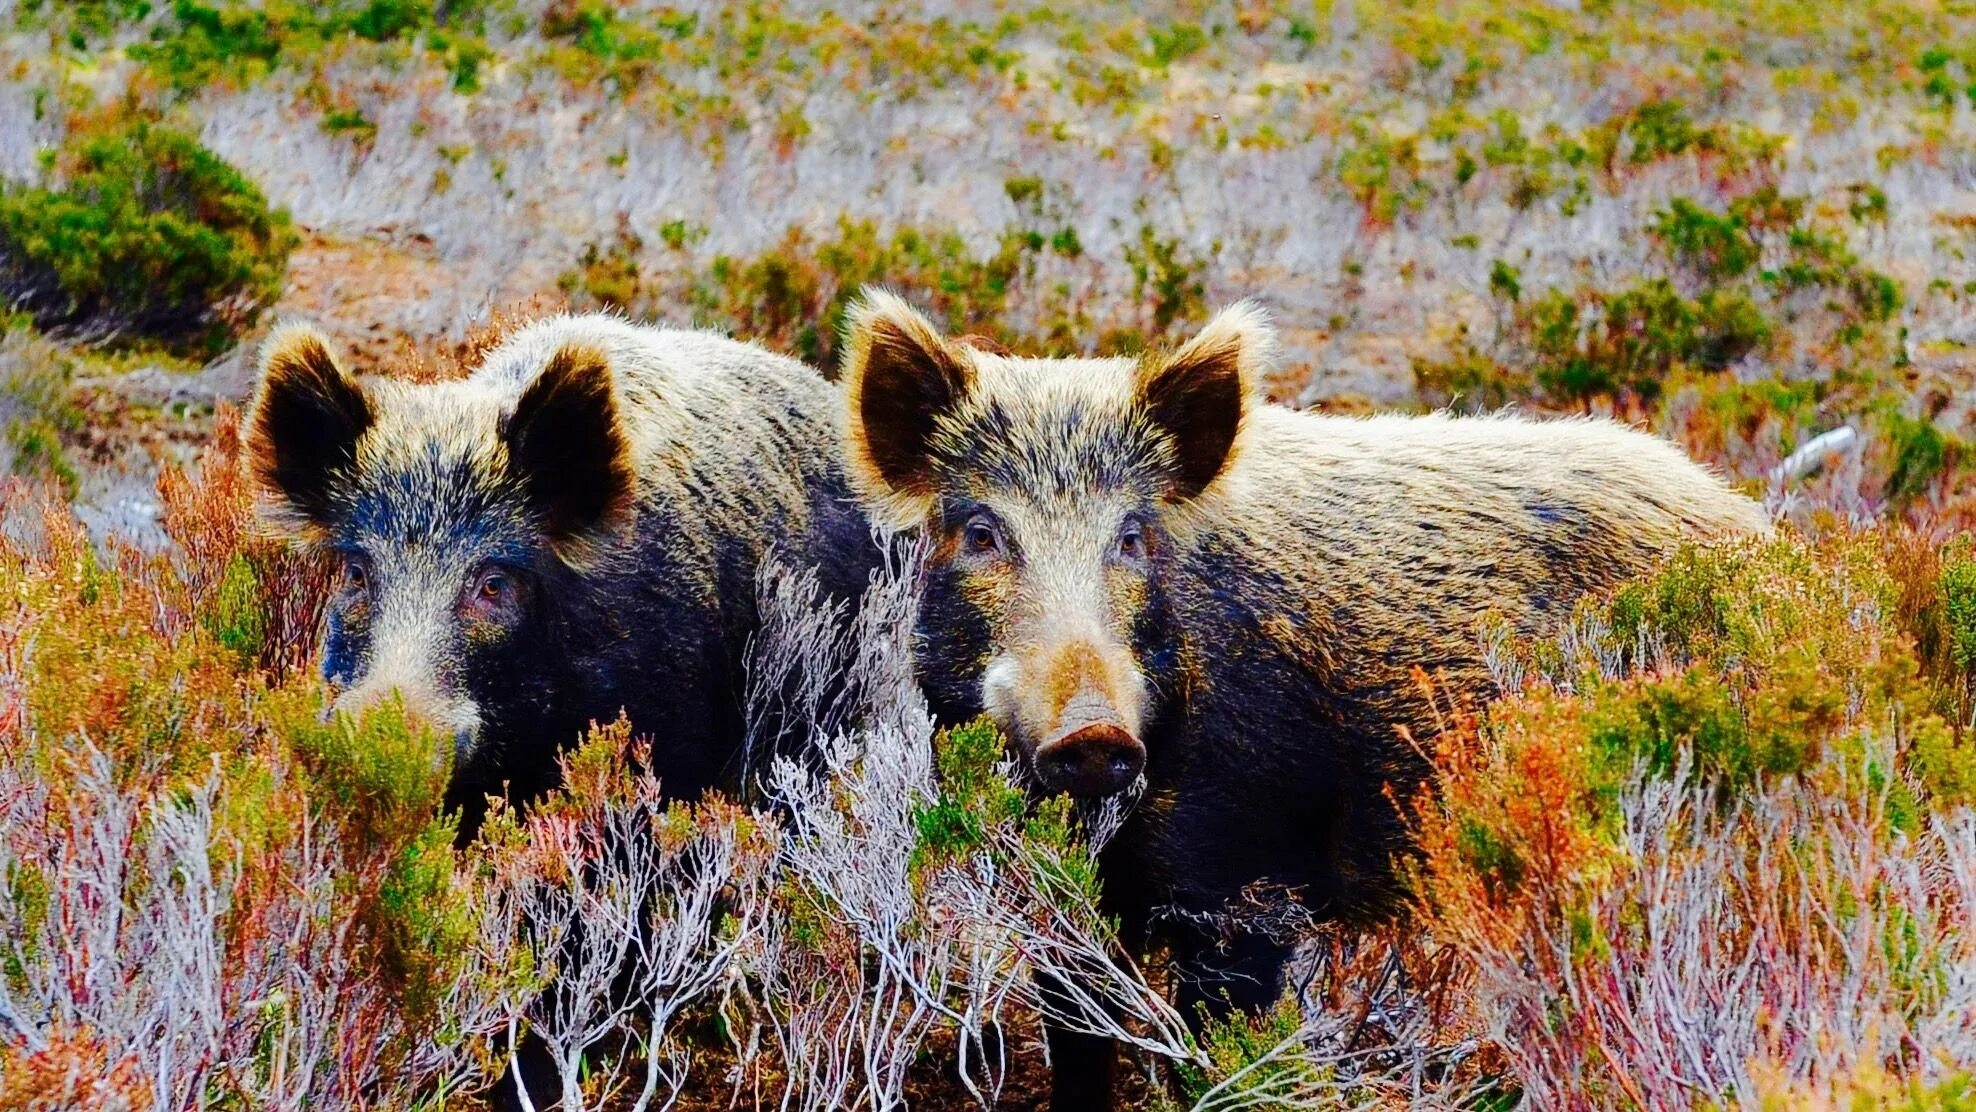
x: 1136, y: 567
x: 572, y: 530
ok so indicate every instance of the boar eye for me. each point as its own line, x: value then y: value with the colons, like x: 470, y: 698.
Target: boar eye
x: 494, y: 585
x: 356, y: 577
x: 494, y: 594
x: 1131, y: 542
x: 981, y: 538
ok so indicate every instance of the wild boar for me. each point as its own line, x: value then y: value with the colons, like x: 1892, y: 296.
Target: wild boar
x: 572, y: 530
x: 1137, y: 568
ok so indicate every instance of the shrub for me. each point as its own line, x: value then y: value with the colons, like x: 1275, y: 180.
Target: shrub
x: 37, y: 453
x: 1632, y: 341
x: 1385, y: 174
x: 1470, y: 379
x: 1729, y: 773
x: 608, y: 277
x: 1717, y: 247
x: 1166, y: 279
x: 1918, y: 453
x: 145, y: 234
x: 794, y: 295
x: 192, y: 905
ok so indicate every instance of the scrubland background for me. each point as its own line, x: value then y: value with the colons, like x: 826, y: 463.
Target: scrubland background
x: 1713, y: 846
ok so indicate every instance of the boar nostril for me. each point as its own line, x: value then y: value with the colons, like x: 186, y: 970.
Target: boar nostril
x: 1096, y: 760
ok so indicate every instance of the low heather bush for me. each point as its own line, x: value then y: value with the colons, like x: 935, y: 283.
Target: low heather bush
x: 215, y: 894
x: 1717, y: 840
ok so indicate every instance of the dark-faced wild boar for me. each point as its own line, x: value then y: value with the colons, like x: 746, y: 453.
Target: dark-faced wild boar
x: 572, y: 530
x: 1138, y: 568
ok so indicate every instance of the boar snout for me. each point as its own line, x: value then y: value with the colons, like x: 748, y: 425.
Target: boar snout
x: 1093, y: 754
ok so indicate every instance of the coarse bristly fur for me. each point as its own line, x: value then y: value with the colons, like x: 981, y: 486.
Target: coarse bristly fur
x: 573, y: 530
x: 1136, y: 563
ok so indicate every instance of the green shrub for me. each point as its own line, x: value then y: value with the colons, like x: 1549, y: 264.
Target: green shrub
x: 145, y: 234
x: 203, y: 42
x: 1661, y: 128
x: 1918, y: 453
x: 608, y: 276
x: 1246, y: 1063
x: 1174, y: 282
x: 1717, y: 246
x: 38, y: 404
x: 1959, y: 599
x: 237, y: 618
x: 1470, y: 379
x: 975, y: 797
x: 1603, y: 344
x: 381, y: 769
x: 1383, y: 173
x: 795, y: 296
x: 37, y: 452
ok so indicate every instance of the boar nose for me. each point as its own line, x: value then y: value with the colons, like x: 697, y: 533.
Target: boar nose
x: 1096, y: 759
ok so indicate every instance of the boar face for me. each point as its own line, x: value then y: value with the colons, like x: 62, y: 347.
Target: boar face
x: 1057, y: 498
x: 451, y: 512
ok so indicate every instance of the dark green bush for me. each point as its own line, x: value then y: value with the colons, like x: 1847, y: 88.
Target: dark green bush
x: 1603, y: 343
x: 1718, y: 247
x: 1918, y: 453
x: 145, y: 234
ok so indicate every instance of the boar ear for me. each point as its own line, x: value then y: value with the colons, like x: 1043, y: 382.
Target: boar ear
x: 900, y: 376
x: 307, y: 419
x: 569, y: 452
x: 1198, y: 395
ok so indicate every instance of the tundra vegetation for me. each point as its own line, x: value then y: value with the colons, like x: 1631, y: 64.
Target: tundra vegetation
x: 1714, y: 843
